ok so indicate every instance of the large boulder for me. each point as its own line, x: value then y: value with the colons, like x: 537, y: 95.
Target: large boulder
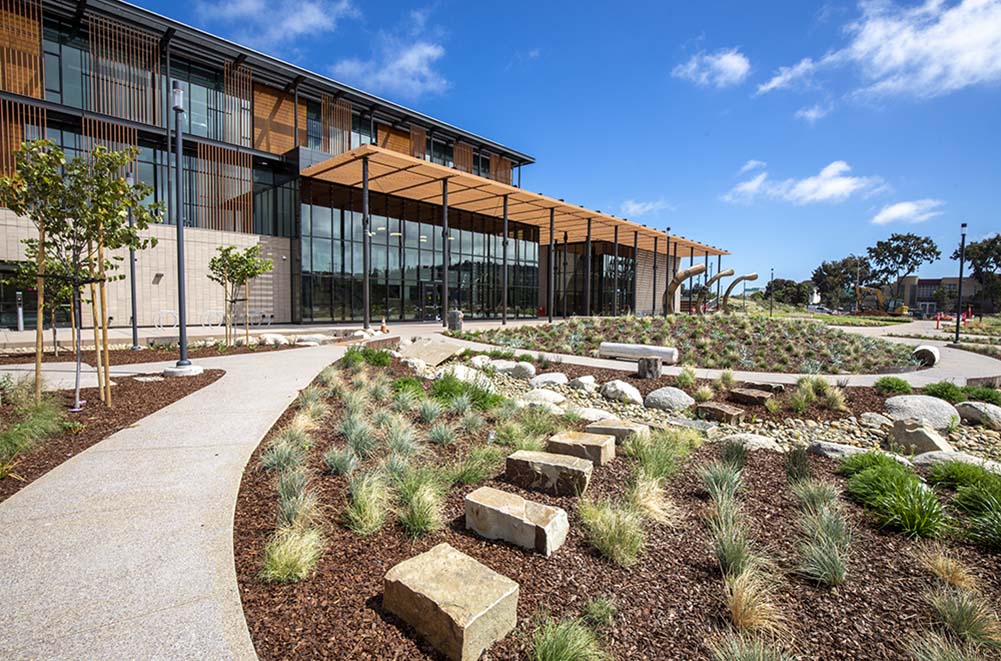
x: 459, y: 605
x: 588, y: 414
x: 555, y: 474
x: 753, y: 442
x: 586, y: 383
x: 480, y: 361
x: 841, y: 451
x: 548, y: 379
x: 620, y: 391
x: 931, y: 411
x: 917, y: 437
x: 926, y: 354
x: 522, y: 370
x: 670, y: 399
x: 980, y: 413
x: 496, y: 514
x: 543, y: 395
x: 468, y: 375
x: 939, y: 457
x: 273, y: 340
x: 874, y: 420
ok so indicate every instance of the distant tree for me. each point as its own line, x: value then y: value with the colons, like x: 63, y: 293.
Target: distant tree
x: 836, y: 280
x: 234, y: 269
x: 789, y: 292
x: 941, y: 297
x: 58, y: 291
x: 984, y: 259
x: 900, y: 256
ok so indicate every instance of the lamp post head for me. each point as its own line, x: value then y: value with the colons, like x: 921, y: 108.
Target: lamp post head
x: 130, y: 179
x: 963, y: 228
x: 177, y: 92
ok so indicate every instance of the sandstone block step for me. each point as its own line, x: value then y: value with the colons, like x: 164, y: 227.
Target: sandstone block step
x: 555, y: 474
x: 459, y: 605
x: 749, y: 396
x: 620, y: 429
x: 720, y: 412
x: 497, y: 514
x: 598, y: 448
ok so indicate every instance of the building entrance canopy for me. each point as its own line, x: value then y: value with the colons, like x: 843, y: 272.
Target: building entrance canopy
x: 398, y: 174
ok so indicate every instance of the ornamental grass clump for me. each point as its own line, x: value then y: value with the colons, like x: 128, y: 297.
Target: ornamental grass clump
x: 797, y: 464
x: 422, y: 502
x: 565, y: 640
x: 727, y: 380
x: 686, y: 378
x: 749, y: 598
x: 291, y: 554
x: 823, y: 546
x: 461, y: 404
x: 937, y: 560
x: 478, y: 466
x: 731, y: 546
x: 428, y: 410
x: 354, y: 403
x: 600, y: 611
x: 741, y: 647
x: 340, y: 461
x: 856, y: 463
x: 967, y: 616
x: 404, y: 401
x: 938, y: 647
x: 298, y: 507
x: 615, y: 531
x: 359, y: 435
x: 472, y: 423
x: 955, y: 474
x: 646, y: 495
x: 720, y: 479
x: 734, y: 453
x: 368, y: 504
x: 815, y: 495
x: 911, y: 507
x: 661, y: 453
x: 703, y: 394
x: 401, y: 438
x: 441, y: 434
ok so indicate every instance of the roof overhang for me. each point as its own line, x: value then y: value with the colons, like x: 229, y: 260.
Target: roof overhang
x: 401, y: 175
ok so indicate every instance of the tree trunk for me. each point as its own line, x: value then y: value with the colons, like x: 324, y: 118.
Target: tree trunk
x: 39, y: 336
x: 104, y: 316
x: 93, y: 314
x: 74, y: 340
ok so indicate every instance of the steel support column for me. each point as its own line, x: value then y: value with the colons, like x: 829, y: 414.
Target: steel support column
x: 653, y: 310
x: 615, y: 280
x: 504, y: 269
x: 550, y: 289
x: 636, y: 269
x: 691, y: 262
x: 446, y: 252
x: 563, y: 279
x: 719, y: 281
x: 587, y: 271
x: 366, y: 249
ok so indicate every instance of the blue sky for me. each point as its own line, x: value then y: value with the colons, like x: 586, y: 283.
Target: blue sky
x: 785, y: 132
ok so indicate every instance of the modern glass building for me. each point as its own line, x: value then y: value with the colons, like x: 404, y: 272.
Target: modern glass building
x: 348, y: 193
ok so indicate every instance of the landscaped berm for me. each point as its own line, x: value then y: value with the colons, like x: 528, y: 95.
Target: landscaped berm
x: 402, y: 512
x: 752, y: 343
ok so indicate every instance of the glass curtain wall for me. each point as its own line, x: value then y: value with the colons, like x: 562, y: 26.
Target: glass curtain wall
x: 407, y: 259
x: 603, y: 269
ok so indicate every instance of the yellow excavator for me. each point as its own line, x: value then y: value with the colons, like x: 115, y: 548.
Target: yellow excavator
x: 894, y: 307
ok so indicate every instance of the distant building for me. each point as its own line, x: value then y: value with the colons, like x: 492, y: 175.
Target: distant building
x: 931, y: 295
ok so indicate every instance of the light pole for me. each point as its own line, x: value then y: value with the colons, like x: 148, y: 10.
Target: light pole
x: 178, y: 95
x: 771, y: 293
x: 959, y: 294
x: 130, y: 180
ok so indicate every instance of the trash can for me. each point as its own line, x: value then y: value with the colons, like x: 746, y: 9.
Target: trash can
x: 455, y: 320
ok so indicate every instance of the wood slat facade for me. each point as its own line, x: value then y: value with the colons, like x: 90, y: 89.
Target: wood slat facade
x: 418, y: 142
x: 124, y: 71
x: 21, y: 69
x: 238, y: 88
x: 274, y: 120
x: 225, y: 181
x: 18, y: 122
x: 463, y: 157
x: 392, y: 138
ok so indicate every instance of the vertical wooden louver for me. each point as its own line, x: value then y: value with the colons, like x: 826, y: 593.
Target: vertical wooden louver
x: 110, y: 135
x: 335, y: 120
x: 124, y: 71
x: 500, y: 169
x: 225, y: 189
x: 463, y: 157
x: 21, y: 70
x: 18, y: 122
x: 418, y: 142
x: 238, y: 91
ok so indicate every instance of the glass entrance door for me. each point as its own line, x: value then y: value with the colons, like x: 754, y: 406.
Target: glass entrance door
x: 430, y: 301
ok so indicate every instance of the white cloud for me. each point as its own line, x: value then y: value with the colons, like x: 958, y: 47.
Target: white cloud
x: 751, y: 165
x: 916, y: 211
x: 813, y: 113
x: 722, y: 68
x: 925, y: 51
x: 634, y: 209
x: 405, y: 70
x: 833, y: 184
x: 273, y: 25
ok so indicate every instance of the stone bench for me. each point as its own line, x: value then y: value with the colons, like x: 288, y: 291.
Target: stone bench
x: 667, y: 355
x: 555, y: 474
x: 460, y: 606
x: 620, y: 429
x: 497, y: 514
x: 599, y: 449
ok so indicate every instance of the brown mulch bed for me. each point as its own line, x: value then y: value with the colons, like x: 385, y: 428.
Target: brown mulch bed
x: 133, y: 400
x: 129, y: 357
x: 669, y: 604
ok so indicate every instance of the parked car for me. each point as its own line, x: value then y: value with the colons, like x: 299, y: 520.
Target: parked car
x: 820, y: 309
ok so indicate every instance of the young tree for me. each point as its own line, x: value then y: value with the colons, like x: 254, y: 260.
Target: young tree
x: 79, y: 204
x: 234, y: 269
x: 900, y: 256
x: 57, y: 289
x: 984, y: 259
x: 789, y: 292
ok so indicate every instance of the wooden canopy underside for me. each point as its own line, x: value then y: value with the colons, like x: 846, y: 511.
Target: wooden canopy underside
x: 398, y: 174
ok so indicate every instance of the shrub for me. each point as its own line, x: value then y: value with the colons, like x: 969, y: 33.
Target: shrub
x: 966, y: 615
x: 340, y: 461
x: 892, y: 385
x: 461, y: 404
x: 646, y: 496
x: 448, y: 387
x: 720, y: 479
x: 471, y: 423
x: 428, y: 410
x: 985, y: 528
x: 797, y: 464
x: 955, y: 474
x: 946, y: 390
x: 938, y: 561
x: 726, y: 379
x: 567, y: 640
x: 281, y: 455
x: 404, y: 401
x: 409, y: 384
x: 703, y: 394
x: 600, y: 611
x: 616, y: 532
x: 735, y: 454
x: 368, y: 501
x: 422, y: 503
x: 686, y: 378
x: 936, y: 647
x: 749, y: 601
x: 441, y: 434
x: 912, y: 507
x: 740, y: 647
x: 982, y: 394
x: 856, y: 463
x: 815, y: 495
x: 291, y: 554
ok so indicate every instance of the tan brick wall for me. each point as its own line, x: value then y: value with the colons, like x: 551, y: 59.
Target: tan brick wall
x: 156, y: 272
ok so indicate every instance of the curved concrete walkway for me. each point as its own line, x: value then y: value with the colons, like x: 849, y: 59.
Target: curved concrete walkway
x: 125, y: 551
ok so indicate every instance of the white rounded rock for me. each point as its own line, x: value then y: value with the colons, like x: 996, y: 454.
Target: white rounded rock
x: 620, y: 391
x: 549, y: 379
x: 981, y: 413
x: 670, y: 399
x: 931, y: 411
x: 753, y: 442
x: 542, y: 395
x: 586, y: 383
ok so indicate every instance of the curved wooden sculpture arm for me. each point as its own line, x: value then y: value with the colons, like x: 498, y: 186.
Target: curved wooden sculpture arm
x: 704, y: 294
x: 682, y: 275
x: 726, y: 296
